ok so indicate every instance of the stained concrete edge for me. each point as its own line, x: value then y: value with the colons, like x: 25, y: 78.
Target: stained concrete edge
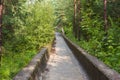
x: 95, y: 68
x: 34, y: 69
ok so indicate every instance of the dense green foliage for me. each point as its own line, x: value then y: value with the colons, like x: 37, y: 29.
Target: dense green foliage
x: 90, y: 21
x: 27, y: 26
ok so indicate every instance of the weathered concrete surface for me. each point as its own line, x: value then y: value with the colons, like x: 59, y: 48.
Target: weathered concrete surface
x: 35, y: 68
x: 95, y: 68
x: 62, y: 65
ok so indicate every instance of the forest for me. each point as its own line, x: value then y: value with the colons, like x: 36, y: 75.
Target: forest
x: 95, y: 26
x: 28, y: 25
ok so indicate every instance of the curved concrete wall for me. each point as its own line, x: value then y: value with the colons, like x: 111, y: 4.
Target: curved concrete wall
x: 34, y: 69
x: 95, y: 68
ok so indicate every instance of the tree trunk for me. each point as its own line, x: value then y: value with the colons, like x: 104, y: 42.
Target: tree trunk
x: 1, y: 12
x: 74, y: 22
x: 78, y: 19
x: 105, y: 16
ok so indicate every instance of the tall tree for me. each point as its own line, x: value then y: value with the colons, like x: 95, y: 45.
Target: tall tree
x: 78, y: 19
x: 74, y: 21
x: 1, y: 11
x: 105, y: 15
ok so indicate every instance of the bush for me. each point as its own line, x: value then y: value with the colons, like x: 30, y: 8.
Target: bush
x: 30, y: 29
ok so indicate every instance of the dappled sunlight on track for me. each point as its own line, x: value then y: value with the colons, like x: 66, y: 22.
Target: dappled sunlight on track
x: 62, y: 65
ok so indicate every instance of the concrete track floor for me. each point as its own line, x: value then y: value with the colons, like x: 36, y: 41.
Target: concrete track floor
x: 62, y: 64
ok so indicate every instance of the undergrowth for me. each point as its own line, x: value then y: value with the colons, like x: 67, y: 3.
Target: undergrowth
x: 108, y: 52
x: 29, y: 29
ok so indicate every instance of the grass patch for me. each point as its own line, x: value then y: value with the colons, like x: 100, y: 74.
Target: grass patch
x: 12, y: 63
